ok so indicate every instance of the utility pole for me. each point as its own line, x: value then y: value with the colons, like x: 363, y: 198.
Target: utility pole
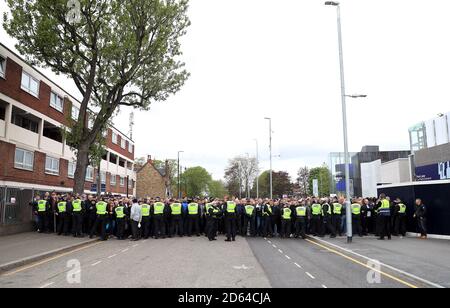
x: 179, y: 182
x: 270, y: 153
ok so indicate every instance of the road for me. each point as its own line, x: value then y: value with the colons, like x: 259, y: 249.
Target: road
x: 246, y: 263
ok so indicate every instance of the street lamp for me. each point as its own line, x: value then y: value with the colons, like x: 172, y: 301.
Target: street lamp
x: 270, y: 153
x: 257, y: 168
x: 179, y: 183
x: 344, y: 120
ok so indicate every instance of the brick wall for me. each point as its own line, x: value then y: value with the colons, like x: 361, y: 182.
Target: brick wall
x: 150, y: 183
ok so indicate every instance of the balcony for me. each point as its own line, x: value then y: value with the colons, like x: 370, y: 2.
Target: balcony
x: 51, y: 146
x: 24, y: 136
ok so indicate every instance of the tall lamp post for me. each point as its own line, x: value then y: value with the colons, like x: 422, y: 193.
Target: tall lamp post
x: 270, y: 153
x: 344, y: 121
x: 179, y: 182
x: 257, y: 169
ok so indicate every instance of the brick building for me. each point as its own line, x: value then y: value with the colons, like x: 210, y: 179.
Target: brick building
x: 34, y: 157
x: 152, y: 181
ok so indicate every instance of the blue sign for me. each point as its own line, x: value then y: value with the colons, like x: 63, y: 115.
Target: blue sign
x: 435, y: 172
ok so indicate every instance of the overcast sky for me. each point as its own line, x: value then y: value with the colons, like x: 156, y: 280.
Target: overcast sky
x: 251, y: 59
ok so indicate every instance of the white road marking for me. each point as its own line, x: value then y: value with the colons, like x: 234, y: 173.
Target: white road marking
x: 310, y: 276
x: 46, y: 285
x: 383, y: 264
x: 265, y: 238
x: 287, y: 257
x: 96, y: 263
x: 135, y: 245
x: 298, y: 265
x: 270, y: 242
x: 274, y: 246
x: 280, y: 251
x: 114, y: 255
x: 324, y: 286
x: 125, y: 250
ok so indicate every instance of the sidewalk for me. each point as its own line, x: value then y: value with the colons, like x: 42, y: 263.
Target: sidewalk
x: 24, y: 248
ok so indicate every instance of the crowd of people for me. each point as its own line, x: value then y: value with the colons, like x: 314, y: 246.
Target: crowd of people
x: 113, y: 216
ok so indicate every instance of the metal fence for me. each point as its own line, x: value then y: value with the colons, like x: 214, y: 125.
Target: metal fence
x: 15, y: 205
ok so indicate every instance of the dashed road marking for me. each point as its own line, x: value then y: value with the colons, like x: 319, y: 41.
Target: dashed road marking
x: 298, y: 265
x: 280, y: 251
x: 114, y: 255
x: 46, y: 285
x: 135, y: 245
x: 270, y: 242
x: 125, y: 250
x: 287, y: 257
x: 310, y: 276
x: 274, y: 246
x: 96, y: 263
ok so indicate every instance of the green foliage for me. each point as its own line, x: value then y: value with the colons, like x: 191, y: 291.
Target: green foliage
x: 197, y: 181
x: 217, y: 189
x: 281, y: 183
x: 323, y: 175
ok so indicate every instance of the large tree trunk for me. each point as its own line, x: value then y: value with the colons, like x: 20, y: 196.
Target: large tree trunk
x: 80, y: 171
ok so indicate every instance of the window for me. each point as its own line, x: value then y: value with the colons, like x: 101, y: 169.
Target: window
x: 114, y: 138
x: 2, y: 67
x: 103, y: 177
x: 130, y: 147
x: 122, y: 181
x: 21, y: 120
x: 56, y: 102
x: 30, y: 84
x: 71, y: 169
x: 130, y: 184
x: 75, y: 113
x: 23, y: 159
x: 113, y: 180
x: 89, y: 174
x: 52, y: 165
x: 123, y: 143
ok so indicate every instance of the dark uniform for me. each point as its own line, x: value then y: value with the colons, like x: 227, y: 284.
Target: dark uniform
x: 420, y: 215
x: 63, y: 217
x: 120, y: 216
x: 300, y: 221
x: 215, y: 214
x: 230, y: 212
x: 316, y: 219
x: 193, y: 219
x: 327, y: 225
x: 41, y: 208
x: 176, y: 220
x: 77, y: 218
x: 337, y: 217
x: 267, y: 220
x: 249, y: 220
x: 286, y: 217
x: 100, y: 220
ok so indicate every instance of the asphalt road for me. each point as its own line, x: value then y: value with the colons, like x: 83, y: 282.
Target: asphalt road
x: 247, y: 263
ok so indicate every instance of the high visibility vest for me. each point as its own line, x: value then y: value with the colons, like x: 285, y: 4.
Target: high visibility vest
x: 269, y: 209
x: 316, y: 209
x: 337, y: 208
x: 42, y: 205
x: 207, y: 207
x: 145, y: 210
x: 301, y: 211
x: 119, y: 212
x: 176, y: 208
x: 249, y: 209
x: 76, y: 204
x: 287, y: 213
x: 385, y: 208
x: 101, y: 208
x: 158, y: 208
x: 193, y: 208
x: 231, y: 207
x: 356, y: 209
x: 62, y: 207
x: 402, y: 208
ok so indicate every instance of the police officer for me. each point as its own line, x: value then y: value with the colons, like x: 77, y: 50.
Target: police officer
x: 215, y: 214
x: 77, y: 217
x: 267, y: 214
x: 384, y: 217
x: 421, y: 215
x: 41, y: 208
x: 300, y: 220
x: 102, y: 216
x: 230, y: 212
x: 286, y: 217
x: 316, y: 218
x: 356, y: 217
x: 176, y: 221
x: 400, y: 218
x: 337, y: 215
x: 120, y: 216
x: 63, y: 217
x: 193, y: 218
x: 158, y: 219
x: 250, y: 219
x: 327, y: 225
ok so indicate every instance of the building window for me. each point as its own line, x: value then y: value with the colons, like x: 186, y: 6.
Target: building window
x: 22, y: 120
x: 103, y: 177
x: 75, y: 113
x: 130, y: 184
x: 23, y: 159
x: 123, y: 143
x: 30, y: 84
x: 89, y: 174
x: 130, y: 147
x: 2, y: 67
x: 71, y: 169
x: 113, y: 180
x: 56, y: 102
x: 114, y: 138
x: 122, y: 181
x: 52, y: 165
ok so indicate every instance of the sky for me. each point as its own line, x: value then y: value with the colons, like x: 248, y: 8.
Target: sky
x: 251, y: 59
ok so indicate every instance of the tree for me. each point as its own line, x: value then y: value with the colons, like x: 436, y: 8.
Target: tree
x: 323, y: 175
x: 197, y: 181
x: 118, y: 53
x: 240, y: 173
x: 217, y: 189
x: 303, y: 181
x: 281, y: 183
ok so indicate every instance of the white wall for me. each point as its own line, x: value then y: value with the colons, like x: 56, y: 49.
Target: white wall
x: 2, y: 128
x: 396, y: 171
x: 370, y: 177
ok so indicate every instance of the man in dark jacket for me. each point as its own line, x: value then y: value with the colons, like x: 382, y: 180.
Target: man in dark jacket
x: 421, y: 215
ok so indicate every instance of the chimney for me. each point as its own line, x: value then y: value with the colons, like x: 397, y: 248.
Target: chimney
x: 149, y: 159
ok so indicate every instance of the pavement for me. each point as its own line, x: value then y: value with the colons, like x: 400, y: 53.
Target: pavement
x: 247, y: 263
